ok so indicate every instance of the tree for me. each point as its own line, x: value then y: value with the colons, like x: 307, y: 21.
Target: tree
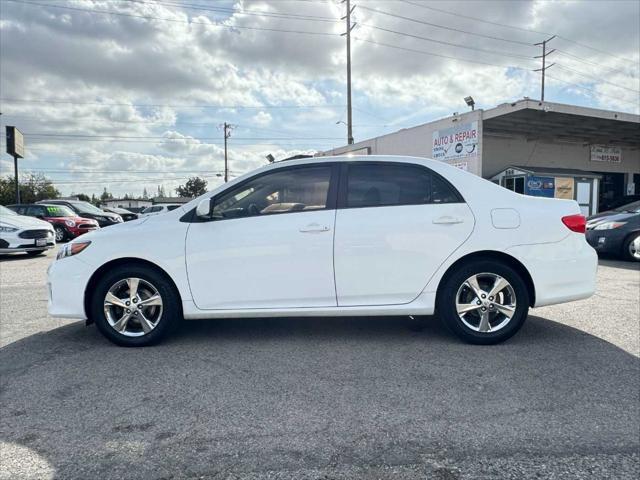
x: 33, y: 187
x: 105, y: 195
x: 194, y: 187
x: 145, y: 195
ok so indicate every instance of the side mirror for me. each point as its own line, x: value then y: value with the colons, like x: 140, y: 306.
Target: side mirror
x: 204, y: 209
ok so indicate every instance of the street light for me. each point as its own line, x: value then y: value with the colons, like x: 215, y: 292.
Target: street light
x: 469, y: 101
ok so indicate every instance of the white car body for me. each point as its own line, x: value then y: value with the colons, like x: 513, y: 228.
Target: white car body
x: 157, y: 209
x: 19, y: 233
x: 341, y: 261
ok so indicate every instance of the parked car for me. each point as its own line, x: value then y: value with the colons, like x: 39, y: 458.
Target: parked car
x: 333, y: 236
x: 19, y: 233
x: 126, y: 215
x: 633, y: 207
x: 66, y: 223
x: 619, y: 202
x: 87, y: 210
x: 617, y: 234
x: 156, y: 209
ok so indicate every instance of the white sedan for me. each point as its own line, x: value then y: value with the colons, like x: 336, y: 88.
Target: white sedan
x: 19, y: 233
x: 332, y: 236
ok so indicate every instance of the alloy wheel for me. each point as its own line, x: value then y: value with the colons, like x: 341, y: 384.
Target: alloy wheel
x: 634, y: 248
x: 486, y: 302
x: 133, y: 307
x: 59, y: 234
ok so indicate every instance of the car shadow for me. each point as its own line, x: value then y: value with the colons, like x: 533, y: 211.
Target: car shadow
x: 245, y: 397
x: 13, y: 257
x: 615, y: 263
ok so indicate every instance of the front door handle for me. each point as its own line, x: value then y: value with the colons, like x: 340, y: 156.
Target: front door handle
x: 314, y: 228
x: 447, y: 220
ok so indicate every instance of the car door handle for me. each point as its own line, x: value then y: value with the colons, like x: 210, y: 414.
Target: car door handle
x: 447, y: 220
x: 314, y: 228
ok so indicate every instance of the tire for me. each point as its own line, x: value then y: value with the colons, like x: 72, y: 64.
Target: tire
x: 469, y: 325
x: 108, y: 317
x: 34, y: 253
x: 631, y: 248
x: 61, y: 233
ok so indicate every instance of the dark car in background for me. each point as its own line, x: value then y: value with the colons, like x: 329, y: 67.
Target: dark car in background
x: 123, y: 212
x: 86, y: 210
x: 66, y: 223
x: 616, y: 232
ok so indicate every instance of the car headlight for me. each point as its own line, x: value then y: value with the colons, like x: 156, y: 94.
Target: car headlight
x: 72, y: 248
x: 609, y: 225
x: 70, y: 223
x: 7, y: 229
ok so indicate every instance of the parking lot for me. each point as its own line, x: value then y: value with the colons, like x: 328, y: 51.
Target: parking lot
x: 321, y: 398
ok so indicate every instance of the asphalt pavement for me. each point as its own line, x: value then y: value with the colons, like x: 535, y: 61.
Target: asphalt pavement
x: 330, y: 398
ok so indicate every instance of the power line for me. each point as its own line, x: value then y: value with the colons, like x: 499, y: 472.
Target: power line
x: 424, y: 52
x: 594, y: 91
x: 422, y: 22
x: 173, y: 20
x: 477, y: 19
x: 442, y: 42
x: 159, y: 105
x: 190, y: 6
x: 599, y: 80
x: 594, y: 64
x: 72, y: 135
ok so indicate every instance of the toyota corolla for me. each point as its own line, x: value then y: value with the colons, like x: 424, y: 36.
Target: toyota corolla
x: 333, y: 236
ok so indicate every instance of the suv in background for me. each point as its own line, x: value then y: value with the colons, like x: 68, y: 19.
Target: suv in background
x: 123, y: 212
x: 156, y: 209
x: 66, y: 223
x: 86, y: 210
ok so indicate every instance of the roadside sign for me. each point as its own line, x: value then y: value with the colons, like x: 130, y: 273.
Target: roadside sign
x: 15, y: 142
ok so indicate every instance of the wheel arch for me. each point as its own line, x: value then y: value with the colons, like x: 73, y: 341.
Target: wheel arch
x: 95, y: 277
x: 496, y: 256
x: 628, y: 237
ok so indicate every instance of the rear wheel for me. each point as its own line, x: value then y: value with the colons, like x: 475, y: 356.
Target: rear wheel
x: 484, y: 302
x: 135, y: 306
x: 631, y: 248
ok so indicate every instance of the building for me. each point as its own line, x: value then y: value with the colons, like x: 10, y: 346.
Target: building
x: 128, y: 203
x: 587, y: 154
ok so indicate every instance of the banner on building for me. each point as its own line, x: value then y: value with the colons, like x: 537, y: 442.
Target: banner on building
x: 540, y: 186
x: 564, y: 188
x: 451, y: 145
x: 606, y: 153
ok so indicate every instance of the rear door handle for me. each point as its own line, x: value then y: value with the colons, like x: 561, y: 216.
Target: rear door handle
x: 314, y: 228
x: 447, y: 220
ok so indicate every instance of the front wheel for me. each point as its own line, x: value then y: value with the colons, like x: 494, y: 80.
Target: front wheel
x: 135, y: 306
x: 484, y: 302
x: 631, y: 249
x: 61, y: 233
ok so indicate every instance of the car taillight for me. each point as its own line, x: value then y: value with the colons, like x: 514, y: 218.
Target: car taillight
x: 575, y: 223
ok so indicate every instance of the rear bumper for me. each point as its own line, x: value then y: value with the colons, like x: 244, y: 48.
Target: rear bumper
x: 67, y: 280
x: 561, y: 272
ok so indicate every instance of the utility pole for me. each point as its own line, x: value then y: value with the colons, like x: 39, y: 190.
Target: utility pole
x: 544, y: 61
x: 227, y: 134
x: 350, y: 27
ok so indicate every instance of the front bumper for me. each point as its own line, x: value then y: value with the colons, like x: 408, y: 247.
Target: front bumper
x: 13, y: 243
x: 606, y: 241
x: 67, y: 281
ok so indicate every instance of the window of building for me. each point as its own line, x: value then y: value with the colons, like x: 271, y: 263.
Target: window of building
x: 515, y: 184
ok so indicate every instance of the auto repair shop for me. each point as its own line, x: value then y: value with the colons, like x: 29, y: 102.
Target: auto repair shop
x: 588, y: 154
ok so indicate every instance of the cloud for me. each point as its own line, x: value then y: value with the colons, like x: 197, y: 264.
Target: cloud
x: 262, y: 119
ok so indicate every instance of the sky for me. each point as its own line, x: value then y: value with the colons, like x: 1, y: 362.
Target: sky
x: 132, y: 94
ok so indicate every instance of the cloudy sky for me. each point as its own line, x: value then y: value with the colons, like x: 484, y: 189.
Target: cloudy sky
x: 130, y: 94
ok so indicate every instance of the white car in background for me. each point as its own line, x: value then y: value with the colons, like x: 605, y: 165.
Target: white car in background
x: 157, y: 209
x: 332, y: 236
x: 19, y: 233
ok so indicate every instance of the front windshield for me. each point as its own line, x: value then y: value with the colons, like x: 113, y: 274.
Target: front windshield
x: 59, y: 211
x: 633, y: 207
x: 6, y: 211
x: 86, y: 207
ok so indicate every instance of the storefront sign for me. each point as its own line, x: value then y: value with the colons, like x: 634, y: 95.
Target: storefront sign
x: 450, y: 145
x: 540, y: 186
x: 605, y: 153
x: 564, y: 188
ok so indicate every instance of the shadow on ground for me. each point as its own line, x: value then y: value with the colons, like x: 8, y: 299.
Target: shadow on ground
x: 319, y: 398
